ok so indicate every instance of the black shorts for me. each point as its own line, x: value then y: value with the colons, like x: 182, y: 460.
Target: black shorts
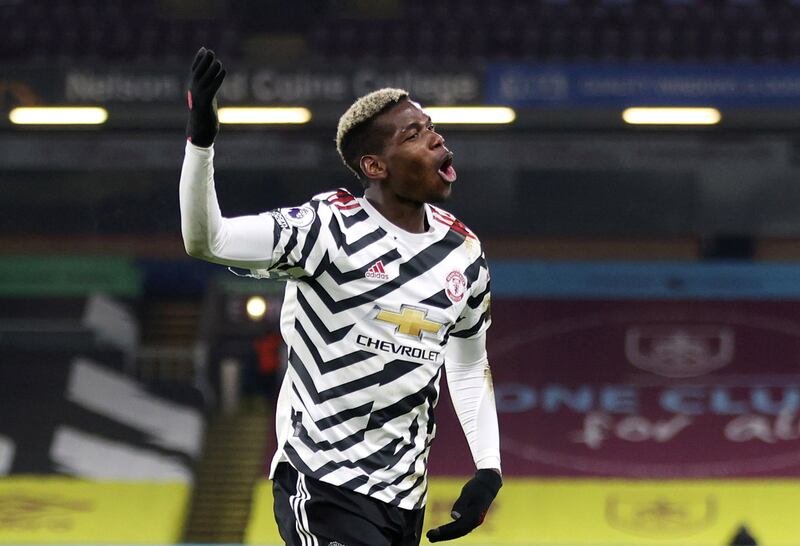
x: 313, y: 513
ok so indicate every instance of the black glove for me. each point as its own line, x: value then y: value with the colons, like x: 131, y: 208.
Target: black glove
x: 204, y: 81
x: 471, y: 507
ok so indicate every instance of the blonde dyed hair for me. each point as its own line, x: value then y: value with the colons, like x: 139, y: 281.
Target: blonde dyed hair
x: 362, y: 111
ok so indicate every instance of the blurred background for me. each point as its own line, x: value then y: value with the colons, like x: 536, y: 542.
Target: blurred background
x: 645, y: 263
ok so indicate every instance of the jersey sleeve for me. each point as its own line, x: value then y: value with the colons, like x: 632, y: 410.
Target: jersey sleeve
x: 303, y: 243
x: 287, y: 242
x: 475, y: 318
x: 469, y: 380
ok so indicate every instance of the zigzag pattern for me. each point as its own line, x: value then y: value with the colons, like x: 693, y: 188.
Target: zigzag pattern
x: 328, y: 366
x: 386, y: 456
x: 328, y: 336
x: 416, y: 266
x: 362, y: 394
x: 359, y: 244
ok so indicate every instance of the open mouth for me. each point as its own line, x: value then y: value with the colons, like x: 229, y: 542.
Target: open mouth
x: 446, y: 170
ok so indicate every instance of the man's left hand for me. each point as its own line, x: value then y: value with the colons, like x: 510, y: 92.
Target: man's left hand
x: 204, y: 81
x: 471, y: 507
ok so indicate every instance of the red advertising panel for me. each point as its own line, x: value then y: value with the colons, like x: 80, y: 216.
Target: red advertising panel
x: 640, y: 389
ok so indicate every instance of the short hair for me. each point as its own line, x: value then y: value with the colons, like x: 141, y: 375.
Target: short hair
x: 354, y: 135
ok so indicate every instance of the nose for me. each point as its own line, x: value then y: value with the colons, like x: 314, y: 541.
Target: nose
x: 437, y: 140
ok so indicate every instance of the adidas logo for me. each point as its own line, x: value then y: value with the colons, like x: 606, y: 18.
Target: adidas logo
x: 377, y: 272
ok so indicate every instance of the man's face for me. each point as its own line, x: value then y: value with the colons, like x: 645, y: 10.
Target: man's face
x: 419, y: 166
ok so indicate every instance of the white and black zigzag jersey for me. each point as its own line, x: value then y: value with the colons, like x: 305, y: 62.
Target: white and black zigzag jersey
x: 368, y: 311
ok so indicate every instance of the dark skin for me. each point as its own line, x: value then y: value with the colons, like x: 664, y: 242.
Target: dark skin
x: 405, y: 175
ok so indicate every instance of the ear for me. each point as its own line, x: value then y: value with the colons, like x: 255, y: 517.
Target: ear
x: 373, y: 167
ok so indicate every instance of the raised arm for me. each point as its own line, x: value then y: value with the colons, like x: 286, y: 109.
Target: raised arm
x: 246, y: 241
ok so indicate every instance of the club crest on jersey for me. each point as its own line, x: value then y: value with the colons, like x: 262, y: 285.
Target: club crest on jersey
x: 377, y: 272
x: 299, y: 216
x: 456, y: 286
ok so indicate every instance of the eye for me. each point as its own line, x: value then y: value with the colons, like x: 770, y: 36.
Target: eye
x: 432, y: 127
x: 412, y: 136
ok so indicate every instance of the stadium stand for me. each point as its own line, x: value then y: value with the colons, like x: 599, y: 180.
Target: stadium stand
x: 103, y: 447
x: 420, y: 31
x: 82, y: 441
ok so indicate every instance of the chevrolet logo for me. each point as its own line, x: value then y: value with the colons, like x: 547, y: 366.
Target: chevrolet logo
x: 410, y: 321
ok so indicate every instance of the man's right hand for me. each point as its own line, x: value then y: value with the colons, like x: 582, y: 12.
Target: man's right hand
x: 206, y: 78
